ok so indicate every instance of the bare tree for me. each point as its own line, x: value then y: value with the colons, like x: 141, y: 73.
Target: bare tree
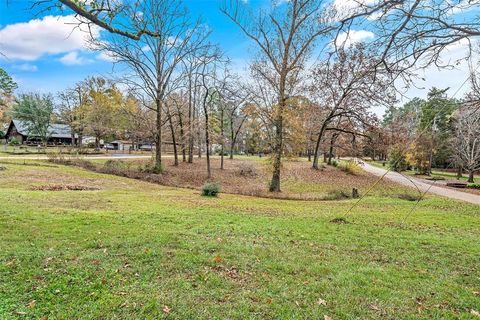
x: 235, y: 113
x: 346, y: 86
x: 414, y: 33
x: 71, y: 112
x: 285, y: 37
x: 117, y: 17
x: 156, y: 59
x: 212, y: 84
x: 465, y: 143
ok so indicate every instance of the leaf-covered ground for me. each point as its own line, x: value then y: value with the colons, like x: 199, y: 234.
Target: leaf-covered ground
x: 133, y: 250
x: 250, y: 175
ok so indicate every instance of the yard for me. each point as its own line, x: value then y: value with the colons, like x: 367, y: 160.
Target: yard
x: 130, y: 249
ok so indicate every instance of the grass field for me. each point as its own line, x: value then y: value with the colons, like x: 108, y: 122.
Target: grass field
x: 134, y: 250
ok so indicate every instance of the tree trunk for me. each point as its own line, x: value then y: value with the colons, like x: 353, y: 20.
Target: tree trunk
x: 184, y: 154
x: 158, y: 140
x: 470, y: 177
x: 459, y: 172
x: 317, y: 147
x: 330, y: 150
x: 172, y: 130
x: 97, y: 143
x: 80, y: 139
x: 232, y: 145
x: 222, y: 134
x: 232, y: 137
x: 199, y: 154
x: 278, y: 149
x: 207, y: 142
x: 191, y: 115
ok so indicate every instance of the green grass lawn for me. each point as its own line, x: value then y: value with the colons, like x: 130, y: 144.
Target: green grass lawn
x: 134, y: 250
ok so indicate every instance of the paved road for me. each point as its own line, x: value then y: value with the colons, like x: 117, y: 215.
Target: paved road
x: 423, y: 186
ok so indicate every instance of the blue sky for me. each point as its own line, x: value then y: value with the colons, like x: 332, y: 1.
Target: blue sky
x: 45, y: 56
x: 51, y: 66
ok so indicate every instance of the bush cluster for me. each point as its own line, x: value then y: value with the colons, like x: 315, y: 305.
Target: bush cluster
x: 151, y: 167
x: 115, y: 166
x: 350, y: 167
x: 210, y: 189
x: 474, y: 185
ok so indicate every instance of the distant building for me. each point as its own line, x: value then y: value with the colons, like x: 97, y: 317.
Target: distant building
x: 122, y: 145
x: 59, y: 134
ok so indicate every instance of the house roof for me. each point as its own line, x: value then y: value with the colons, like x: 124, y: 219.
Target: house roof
x: 55, y: 130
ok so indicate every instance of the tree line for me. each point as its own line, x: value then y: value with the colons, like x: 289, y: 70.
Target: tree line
x: 310, y: 90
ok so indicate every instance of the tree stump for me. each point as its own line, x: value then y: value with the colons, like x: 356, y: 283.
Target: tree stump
x: 355, y: 194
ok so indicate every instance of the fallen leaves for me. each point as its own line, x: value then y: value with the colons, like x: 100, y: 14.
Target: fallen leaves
x: 31, y: 304
x: 217, y: 259
x: 166, y: 309
x: 11, y: 263
x: 374, y: 307
x: 475, y: 313
x: 321, y: 302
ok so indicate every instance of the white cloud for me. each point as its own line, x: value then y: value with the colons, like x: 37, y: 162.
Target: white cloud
x: 26, y: 67
x: 463, y: 6
x: 31, y: 40
x: 146, y: 48
x: 346, y: 8
x: 453, y: 78
x: 106, y: 56
x: 353, y: 36
x: 72, y: 58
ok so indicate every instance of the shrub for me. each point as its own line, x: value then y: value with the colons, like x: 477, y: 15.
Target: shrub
x: 334, y: 163
x: 336, y: 195
x: 397, y: 160
x: 116, y: 166
x: 350, y: 167
x: 150, y: 167
x: 474, y: 185
x: 210, y: 189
